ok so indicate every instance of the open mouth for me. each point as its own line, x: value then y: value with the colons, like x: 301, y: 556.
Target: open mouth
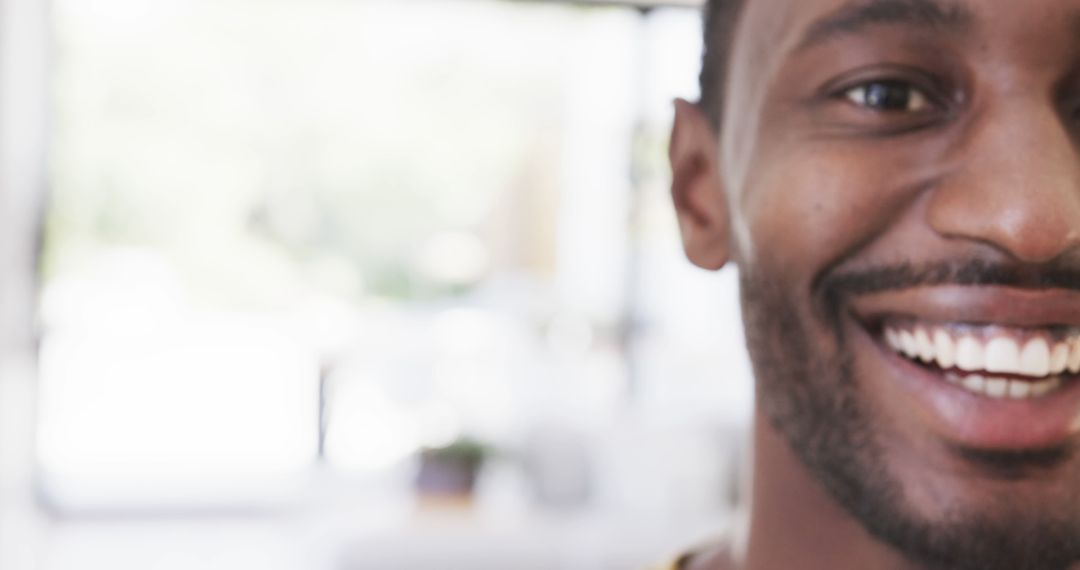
x: 991, y: 361
x: 988, y: 368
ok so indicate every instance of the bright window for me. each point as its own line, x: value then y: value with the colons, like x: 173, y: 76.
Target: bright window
x: 284, y: 228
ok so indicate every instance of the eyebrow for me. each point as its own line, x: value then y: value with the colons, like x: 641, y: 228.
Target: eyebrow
x: 858, y: 16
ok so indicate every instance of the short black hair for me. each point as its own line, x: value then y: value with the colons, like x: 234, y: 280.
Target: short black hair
x: 720, y: 17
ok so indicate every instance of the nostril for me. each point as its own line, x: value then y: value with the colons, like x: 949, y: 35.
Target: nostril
x: 1029, y: 226
x: 1033, y: 238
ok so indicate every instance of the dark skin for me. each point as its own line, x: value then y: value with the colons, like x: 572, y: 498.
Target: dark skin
x: 971, y: 154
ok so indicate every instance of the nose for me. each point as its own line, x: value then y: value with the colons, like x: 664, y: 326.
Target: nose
x: 1017, y: 187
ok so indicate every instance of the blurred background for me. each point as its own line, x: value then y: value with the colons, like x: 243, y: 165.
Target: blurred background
x: 355, y: 284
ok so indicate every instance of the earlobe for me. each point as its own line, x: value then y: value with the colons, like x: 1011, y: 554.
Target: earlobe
x: 696, y: 188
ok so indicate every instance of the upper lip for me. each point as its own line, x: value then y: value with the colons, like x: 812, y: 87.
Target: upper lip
x: 989, y: 305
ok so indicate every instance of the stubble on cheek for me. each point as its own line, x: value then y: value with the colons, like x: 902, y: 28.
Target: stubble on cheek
x: 804, y: 374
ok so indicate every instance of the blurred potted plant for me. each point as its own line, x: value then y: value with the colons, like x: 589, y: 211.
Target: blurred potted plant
x: 451, y: 471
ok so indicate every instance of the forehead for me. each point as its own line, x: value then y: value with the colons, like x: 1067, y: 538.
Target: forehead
x: 772, y: 24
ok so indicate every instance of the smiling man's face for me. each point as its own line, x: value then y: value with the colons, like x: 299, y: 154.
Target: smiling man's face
x: 899, y: 184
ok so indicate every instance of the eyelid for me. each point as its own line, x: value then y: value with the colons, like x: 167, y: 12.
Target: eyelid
x: 944, y: 90
x: 936, y: 90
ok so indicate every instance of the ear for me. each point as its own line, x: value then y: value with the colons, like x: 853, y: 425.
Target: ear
x: 696, y: 188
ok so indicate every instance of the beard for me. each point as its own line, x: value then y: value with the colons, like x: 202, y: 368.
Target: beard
x: 811, y: 397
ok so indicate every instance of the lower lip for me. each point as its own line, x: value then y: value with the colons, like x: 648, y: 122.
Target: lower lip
x: 981, y: 422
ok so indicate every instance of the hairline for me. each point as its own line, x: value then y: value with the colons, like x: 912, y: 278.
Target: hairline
x: 720, y: 18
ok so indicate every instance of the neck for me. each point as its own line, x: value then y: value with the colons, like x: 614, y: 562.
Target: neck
x: 794, y: 523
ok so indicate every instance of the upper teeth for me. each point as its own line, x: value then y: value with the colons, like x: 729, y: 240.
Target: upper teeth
x: 1035, y: 357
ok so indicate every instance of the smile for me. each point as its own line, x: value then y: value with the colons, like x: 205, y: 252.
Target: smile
x: 991, y: 361
x: 987, y: 367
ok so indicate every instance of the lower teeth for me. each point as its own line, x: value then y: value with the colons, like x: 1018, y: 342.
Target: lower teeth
x: 1003, y: 388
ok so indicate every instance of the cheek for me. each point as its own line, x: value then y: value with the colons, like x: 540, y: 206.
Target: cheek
x: 803, y: 212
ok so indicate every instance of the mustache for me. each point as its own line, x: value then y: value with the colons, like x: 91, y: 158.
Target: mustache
x: 973, y: 272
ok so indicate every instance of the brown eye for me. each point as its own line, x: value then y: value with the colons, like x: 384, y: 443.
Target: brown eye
x: 888, y: 97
